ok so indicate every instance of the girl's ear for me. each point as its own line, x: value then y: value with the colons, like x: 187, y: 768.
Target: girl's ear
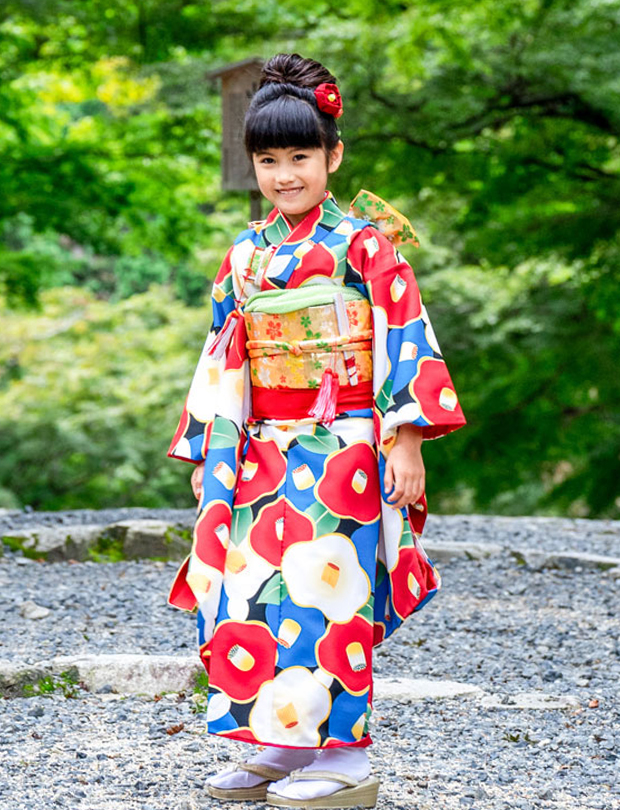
x: 335, y: 157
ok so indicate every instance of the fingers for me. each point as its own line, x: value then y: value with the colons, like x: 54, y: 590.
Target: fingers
x: 388, y: 478
x: 407, y: 490
x: 196, y: 481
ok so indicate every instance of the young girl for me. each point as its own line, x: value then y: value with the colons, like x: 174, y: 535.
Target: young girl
x: 318, y: 382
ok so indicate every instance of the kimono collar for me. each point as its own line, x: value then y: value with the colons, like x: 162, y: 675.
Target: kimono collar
x: 277, y: 228
x: 366, y: 206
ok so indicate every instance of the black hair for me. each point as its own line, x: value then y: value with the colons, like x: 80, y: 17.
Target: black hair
x: 284, y: 112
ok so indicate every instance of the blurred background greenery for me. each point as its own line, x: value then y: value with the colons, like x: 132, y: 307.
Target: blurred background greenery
x: 493, y: 125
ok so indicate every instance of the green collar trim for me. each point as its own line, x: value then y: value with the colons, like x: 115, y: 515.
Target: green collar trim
x: 279, y: 230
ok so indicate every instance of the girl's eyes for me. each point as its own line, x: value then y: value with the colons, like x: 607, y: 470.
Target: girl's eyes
x: 268, y: 161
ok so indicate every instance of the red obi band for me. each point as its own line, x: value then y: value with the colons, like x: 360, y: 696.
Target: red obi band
x: 295, y: 403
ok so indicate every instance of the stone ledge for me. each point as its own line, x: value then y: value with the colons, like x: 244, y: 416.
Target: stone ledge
x: 157, y: 674
x: 146, y: 538
x: 406, y: 690
x: 134, y: 539
x: 442, y: 551
x: 538, y: 560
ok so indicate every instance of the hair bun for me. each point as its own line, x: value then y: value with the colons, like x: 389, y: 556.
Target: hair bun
x: 291, y: 68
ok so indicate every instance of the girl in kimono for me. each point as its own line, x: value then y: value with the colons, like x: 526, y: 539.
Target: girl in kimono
x: 318, y: 381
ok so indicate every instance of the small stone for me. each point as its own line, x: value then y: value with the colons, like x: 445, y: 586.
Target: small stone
x: 546, y: 793
x: 480, y: 794
x: 551, y: 675
x: 38, y: 711
x: 30, y: 610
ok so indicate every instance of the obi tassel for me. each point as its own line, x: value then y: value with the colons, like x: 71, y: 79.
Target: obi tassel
x: 222, y: 340
x: 324, y: 408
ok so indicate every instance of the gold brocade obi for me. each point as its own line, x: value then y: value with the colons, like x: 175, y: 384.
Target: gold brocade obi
x: 293, y: 349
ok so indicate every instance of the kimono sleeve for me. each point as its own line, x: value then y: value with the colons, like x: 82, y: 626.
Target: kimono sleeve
x: 411, y: 382
x: 191, y: 438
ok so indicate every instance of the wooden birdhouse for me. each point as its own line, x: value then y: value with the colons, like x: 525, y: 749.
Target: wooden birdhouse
x: 239, y: 83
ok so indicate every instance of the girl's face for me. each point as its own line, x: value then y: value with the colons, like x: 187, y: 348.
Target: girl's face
x: 295, y: 179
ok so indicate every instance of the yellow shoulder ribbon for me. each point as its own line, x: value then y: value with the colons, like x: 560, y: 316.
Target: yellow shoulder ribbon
x: 392, y: 224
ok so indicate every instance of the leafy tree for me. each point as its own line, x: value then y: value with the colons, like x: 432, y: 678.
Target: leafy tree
x: 493, y: 125
x: 89, y: 398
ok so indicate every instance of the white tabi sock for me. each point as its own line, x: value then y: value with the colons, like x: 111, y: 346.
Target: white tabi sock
x: 350, y: 761
x: 287, y: 759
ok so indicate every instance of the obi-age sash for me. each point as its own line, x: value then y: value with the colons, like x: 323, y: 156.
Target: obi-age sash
x: 410, y: 382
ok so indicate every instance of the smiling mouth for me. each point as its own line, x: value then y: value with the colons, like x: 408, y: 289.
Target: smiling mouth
x: 289, y: 191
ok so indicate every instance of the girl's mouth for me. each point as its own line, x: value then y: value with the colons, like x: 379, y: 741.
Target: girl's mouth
x: 289, y: 192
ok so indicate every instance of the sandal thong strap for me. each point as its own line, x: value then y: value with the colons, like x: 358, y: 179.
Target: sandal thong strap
x: 330, y: 776
x: 266, y: 771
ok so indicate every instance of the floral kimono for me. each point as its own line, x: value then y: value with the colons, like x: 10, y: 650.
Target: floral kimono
x: 299, y: 566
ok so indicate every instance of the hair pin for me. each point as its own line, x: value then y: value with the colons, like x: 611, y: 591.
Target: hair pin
x: 328, y: 99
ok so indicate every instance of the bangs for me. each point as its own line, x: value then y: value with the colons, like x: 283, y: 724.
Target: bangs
x: 280, y: 124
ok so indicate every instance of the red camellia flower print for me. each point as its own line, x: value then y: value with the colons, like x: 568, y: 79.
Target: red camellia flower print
x: 400, y: 308
x: 350, y: 484
x: 412, y: 579
x: 243, y: 734
x: 391, y: 283
x: 345, y: 652
x: 263, y: 471
x: 320, y: 261
x: 212, y: 533
x: 378, y: 635
x: 243, y: 656
x: 433, y: 389
x: 278, y: 525
x: 328, y: 99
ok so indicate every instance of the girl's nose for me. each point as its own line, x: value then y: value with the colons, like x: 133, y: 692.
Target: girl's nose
x: 284, y: 173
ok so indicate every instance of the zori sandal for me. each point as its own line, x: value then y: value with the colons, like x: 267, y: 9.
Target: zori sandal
x: 353, y: 794
x: 258, y: 791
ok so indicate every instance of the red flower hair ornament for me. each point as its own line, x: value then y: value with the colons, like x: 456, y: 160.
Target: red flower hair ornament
x: 328, y: 99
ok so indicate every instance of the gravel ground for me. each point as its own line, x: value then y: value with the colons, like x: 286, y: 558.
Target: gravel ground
x: 92, y: 752
x: 494, y: 624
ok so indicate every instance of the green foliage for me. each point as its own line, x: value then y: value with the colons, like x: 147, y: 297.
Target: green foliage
x: 541, y: 396
x: 494, y: 126
x: 201, y: 692
x: 65, y: 682
x: 17, y: 544
x: 102, y: 383
x: 107, y: 549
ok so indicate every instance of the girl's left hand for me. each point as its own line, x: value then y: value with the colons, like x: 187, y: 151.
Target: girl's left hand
x: 404, y: 468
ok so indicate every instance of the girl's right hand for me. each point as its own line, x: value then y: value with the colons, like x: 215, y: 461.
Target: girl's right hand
x: 196, y: 480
